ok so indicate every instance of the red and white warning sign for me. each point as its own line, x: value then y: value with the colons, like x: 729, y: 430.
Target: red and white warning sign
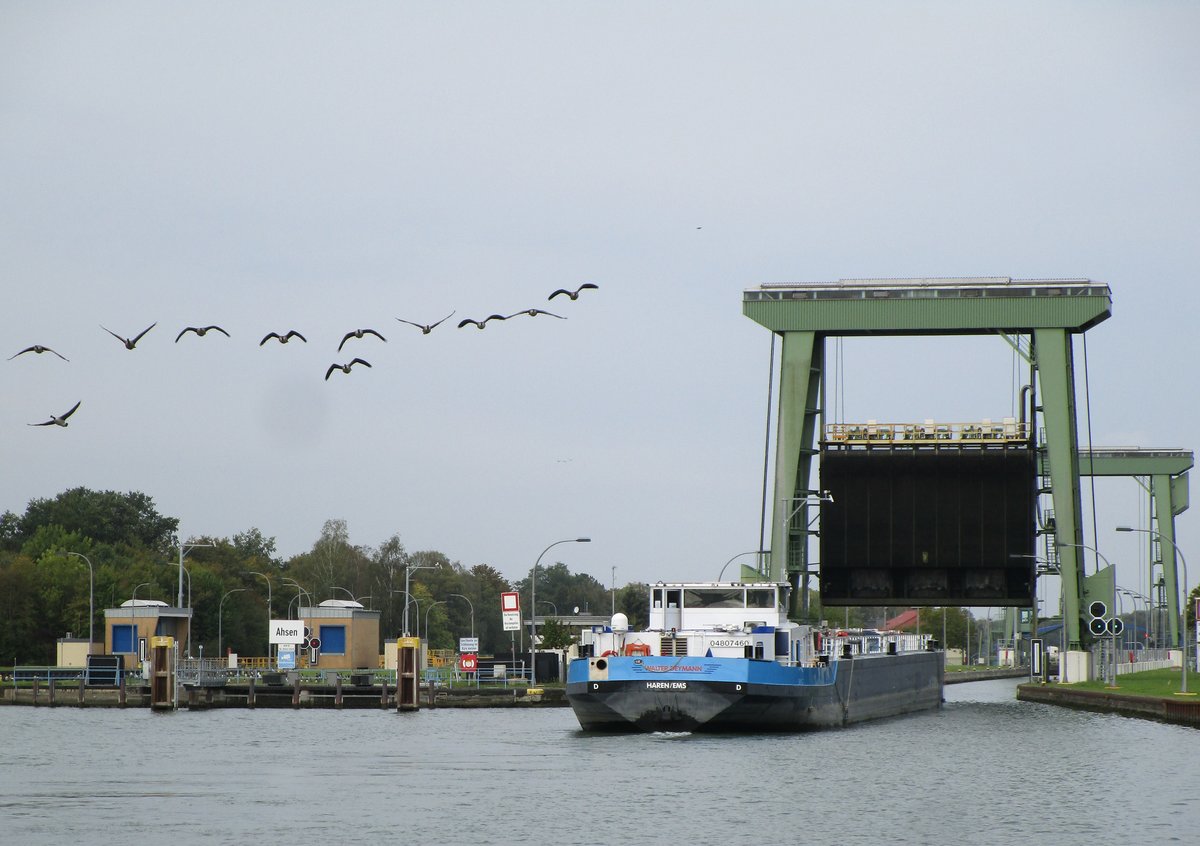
x: 510, y: 611
x: 468, y: 663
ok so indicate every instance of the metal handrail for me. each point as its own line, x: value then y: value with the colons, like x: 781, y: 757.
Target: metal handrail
x: 1008, y: 430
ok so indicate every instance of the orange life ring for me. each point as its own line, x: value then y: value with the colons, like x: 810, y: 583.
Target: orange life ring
x: 637, y: 649
x: 608, y: 653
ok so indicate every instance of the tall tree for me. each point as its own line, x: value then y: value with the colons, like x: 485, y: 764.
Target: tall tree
x: 104, y: 516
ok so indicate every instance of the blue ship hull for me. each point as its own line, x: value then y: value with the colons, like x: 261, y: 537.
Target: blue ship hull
x: 662, y: 693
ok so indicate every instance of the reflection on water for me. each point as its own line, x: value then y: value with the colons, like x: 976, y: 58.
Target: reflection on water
x: 984, y: 769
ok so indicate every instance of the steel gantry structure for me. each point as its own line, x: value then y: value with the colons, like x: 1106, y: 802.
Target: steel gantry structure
x: 1049, y: 312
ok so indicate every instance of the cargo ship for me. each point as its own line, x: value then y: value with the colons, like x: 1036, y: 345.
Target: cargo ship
x: 723, y: 657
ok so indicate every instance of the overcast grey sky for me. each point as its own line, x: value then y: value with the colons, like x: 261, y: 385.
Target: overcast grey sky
x: 331, y: 167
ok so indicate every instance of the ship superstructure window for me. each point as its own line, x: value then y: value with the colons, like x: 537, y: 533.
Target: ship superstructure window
x: 760, y: 599
x: 714, y: 598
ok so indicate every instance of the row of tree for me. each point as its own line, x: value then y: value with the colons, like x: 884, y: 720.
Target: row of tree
x: 132, y: 551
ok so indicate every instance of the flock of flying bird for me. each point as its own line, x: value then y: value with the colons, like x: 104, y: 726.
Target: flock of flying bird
x: 356, y: 334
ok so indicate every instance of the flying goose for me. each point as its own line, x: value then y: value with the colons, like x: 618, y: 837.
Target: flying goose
x: 283, y: 339
x: 58, y: 421
x: 534, y: 312
x: 39, y: 349
x: 200, y: 331
x: 575, y: 294
x: 479, y: 324
x: 358, y: 333
x: 425, y: 330
x: 345, y: 368
x: 129, y: 343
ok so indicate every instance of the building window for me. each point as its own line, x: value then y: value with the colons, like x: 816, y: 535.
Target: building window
x: 124, y: 638
x: 333, y: 640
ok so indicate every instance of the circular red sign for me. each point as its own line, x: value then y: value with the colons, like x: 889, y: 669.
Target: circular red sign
x: 468, y: 663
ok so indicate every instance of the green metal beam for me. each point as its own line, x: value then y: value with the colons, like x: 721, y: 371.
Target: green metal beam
x: 1056, y: 371
x: 1130, y: 461
x: 800, y: 371
x: 1164, y: 520
x: 929, y: 306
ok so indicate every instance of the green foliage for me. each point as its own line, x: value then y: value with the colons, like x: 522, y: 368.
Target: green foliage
x: 556, y: 634
x: 44, y: 591
x: 633, y: 601
x: 957, y: 626
x: 107, y: 517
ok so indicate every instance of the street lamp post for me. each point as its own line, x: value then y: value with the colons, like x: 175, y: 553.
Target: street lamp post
x: 268, y: 581
x: 472, y: 604
x: 188, y: 573
x: 552, y: 605
x: 408, y: 569
x: 533, y: 607
x: 429, y: 608
x: 220, y: 610
x: 91, y: 597
x: 721, y: 575
x: 1183, y: 635
x: 409, y: 599
x: 184, y: 548
x: 299, y: 590
x: 133, y: 640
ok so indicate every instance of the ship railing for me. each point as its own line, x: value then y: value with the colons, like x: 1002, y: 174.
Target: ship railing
x: 1008, y: 430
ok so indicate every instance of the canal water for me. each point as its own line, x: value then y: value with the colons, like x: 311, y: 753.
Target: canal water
x: 985, y: 769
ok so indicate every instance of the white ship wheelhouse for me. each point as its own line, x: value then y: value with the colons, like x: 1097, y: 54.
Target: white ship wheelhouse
x: 700, y: 606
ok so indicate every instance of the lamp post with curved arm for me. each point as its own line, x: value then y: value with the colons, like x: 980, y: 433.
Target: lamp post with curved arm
x: 133, y: 640
x: 472, y: 604
x: 91, y: 597
x: 299, y: 590
x: 220, y: 609
x: 184, y: 549
x: 408, y: 569
x: 268, y: 580
x: 410, y: 600
x: 731, y: 560
x: 1183, y: 635
x: 533, y: 607
x: 429, y: 608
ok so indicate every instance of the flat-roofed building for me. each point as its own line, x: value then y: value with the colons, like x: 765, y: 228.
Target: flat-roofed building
x: 348, y: 633
x: 140, y: 619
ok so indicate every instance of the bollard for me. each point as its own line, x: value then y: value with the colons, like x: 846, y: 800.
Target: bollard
x: 250, y: 693
x: 121, y: 689
x: 408, y: 674
x: 296, y: 692
x: 50, y: 688
x: 162, y: 673
x: 81, y: 690
x: 383, y: 694
x: 337, y: 693
x: 36, y: 685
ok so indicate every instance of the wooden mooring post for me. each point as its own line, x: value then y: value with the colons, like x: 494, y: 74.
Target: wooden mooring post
x: 408, y: 674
